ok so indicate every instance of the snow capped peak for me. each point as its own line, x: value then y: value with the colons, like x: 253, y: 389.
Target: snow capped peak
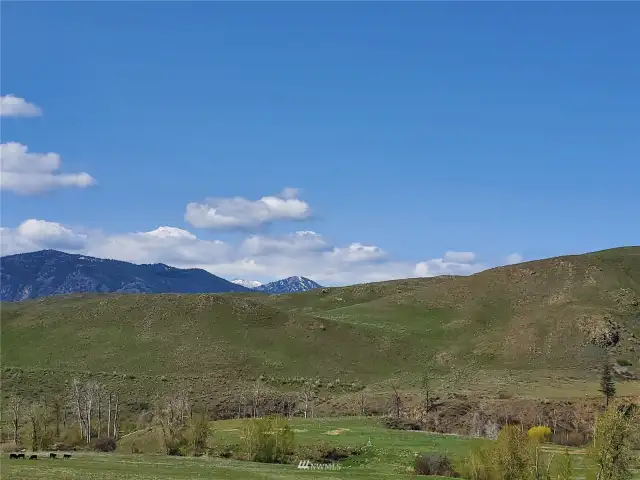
x: 289, y: 285
x: 246, y: 283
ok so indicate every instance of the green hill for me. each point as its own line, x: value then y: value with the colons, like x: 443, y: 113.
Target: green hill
x: 519, y: 324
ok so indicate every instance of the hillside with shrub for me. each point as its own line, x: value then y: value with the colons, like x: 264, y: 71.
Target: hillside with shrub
x: 511, y: 329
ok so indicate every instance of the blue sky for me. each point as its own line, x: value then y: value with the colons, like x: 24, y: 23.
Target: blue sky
x: 413, y: 128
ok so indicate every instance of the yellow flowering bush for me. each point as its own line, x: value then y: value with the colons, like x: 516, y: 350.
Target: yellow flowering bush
x: 539, y: 433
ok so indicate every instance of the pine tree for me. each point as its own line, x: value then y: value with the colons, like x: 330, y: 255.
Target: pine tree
x: 607, y: 387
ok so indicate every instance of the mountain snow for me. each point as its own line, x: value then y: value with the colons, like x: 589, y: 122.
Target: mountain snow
x: 49, y: 272
x: 247, y: 283
x: 289, y: 285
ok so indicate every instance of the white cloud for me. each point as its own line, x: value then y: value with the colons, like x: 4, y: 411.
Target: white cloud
x: 12, y: 106
x: 163, y: 245
x: 459, y: 257
x: 35, y: 234
x: 356, y: 253
x: 239, y: 213
x: 302, y: 241
x: 513, y: 258
x: 257, y: 257
x: 440, y: 266
x: 31, y: 173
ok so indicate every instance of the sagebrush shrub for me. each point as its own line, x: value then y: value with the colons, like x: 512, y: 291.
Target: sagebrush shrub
x: 434, y: 464
x: 104, y: 444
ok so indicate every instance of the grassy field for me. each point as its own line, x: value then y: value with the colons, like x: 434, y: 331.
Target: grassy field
x: 390, y: 456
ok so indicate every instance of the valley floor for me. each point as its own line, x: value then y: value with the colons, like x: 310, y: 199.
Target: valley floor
x: 390, y: 456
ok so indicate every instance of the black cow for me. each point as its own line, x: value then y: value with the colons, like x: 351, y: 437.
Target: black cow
x: 66, y: 455
x: 52, y: 455
x: 33, y: 457
x: 21, y: 455
x: 13, y: 455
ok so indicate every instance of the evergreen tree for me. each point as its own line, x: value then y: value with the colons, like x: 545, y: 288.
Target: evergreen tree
x: 607, y: 387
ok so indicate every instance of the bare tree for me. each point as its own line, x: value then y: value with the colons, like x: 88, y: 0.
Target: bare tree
x: 362, y: 402
x: 109, y: 416
x: 115, y: 419
x: 99, y: 389
x: 57, y: 408
x: 242, y: 403
x: 90, y: 396
x: 396, y: 401
x: 290, y: 403
x: 79, y: 405
x: 258, y: 397
x: 308, y: 397
x: 171, y: 414
x: 15, y: 406
x: 35, y: 418
x: 426, y: 390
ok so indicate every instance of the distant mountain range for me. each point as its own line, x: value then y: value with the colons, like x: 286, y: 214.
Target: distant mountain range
x: 286, y: 285
x: 50, y: 272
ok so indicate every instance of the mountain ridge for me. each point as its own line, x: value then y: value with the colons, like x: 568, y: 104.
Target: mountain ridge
x: 51, y: 272
x: 288, y: 285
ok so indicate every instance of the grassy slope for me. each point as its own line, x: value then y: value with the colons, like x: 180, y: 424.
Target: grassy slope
x: 522, y: 322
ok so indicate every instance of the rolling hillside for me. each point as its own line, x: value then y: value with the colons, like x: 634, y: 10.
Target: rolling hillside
x: 537, y: 321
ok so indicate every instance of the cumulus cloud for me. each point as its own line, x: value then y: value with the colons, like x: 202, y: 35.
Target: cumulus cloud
x: 356, y: 253
x: 240, y: 213
x: 257, y: 257
x: 459, y: 257
x: 27, y: 173
x: 35, y: 234
x: 513, y: 258
x: 299, y: 242
x: 441, y: 266
x: 12, y: 106
x: 163, y: 245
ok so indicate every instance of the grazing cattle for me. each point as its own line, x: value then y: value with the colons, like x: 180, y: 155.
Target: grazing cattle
x: 13, y: 455
x: 33, y: 457
x: 21, y: 455
x: 52, y: 455
x: 66, y: 455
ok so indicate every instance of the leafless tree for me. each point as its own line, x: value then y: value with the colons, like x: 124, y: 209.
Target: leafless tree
x: 15, y: 406
x: 242, y: 403
x: 396, y: 401
x: 99, y: 389
x: 171, y: 413
x: 115, y: 418
x: 78, y: 398
x: 109, y: 416
x: 308, y: 397
x: 35, y: 418
x: 426, y: 390
x: 290, y: 404
x: 90, y: 397
x: 56, y: 407
x: 361, y: 402
x: 258, y: 397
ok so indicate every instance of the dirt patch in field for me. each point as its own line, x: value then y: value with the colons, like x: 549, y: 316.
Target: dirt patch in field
x: 337, y: 431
